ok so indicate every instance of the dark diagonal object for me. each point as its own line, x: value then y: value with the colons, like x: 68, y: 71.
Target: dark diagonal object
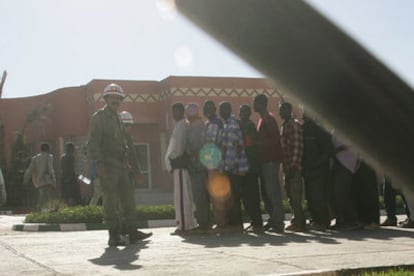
x: 309, y: 57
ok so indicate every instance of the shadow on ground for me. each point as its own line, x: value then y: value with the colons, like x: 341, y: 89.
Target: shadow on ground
x: 121, y: 258
x: 327, y: 237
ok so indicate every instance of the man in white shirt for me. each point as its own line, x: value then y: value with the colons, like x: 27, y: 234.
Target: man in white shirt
x: 42, y: 174
x: 176, y: 161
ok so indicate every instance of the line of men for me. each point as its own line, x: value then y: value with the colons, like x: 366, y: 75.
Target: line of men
x: 338, y: 183
x: 248, y: 153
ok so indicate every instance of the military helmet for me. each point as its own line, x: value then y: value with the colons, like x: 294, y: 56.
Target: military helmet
x: 114, y: 89
x: 126, y: 117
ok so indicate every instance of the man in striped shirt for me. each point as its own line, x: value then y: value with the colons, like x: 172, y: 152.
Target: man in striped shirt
x: 292, y: 144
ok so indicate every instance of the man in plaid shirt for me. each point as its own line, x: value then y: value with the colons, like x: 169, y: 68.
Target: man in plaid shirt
x: 234, y: 165
x: 214, y: 126
x: 234, y: 157
x: 292, y: 144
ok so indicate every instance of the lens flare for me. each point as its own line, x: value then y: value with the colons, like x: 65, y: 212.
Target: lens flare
x: 219, y: 186
x: 210, y: 156
x: 168, y: 9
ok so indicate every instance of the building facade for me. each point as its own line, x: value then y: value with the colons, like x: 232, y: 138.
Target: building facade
x: 67, y: 112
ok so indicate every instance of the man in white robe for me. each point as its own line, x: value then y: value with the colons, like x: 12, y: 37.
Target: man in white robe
x: 177, y: 161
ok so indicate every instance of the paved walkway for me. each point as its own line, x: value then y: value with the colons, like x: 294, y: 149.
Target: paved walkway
x: 86, y: 252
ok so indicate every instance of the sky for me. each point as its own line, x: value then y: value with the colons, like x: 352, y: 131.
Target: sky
x: 49, y: 44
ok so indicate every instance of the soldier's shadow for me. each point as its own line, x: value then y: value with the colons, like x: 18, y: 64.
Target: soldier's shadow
x: 121, y: 258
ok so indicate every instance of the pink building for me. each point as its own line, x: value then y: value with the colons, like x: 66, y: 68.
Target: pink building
x: 70, y: 110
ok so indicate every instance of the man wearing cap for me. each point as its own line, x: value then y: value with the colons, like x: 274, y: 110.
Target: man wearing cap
x: 134, y: 165
x: 107, y: 145
x: 134, y: 168
x: 197, y: 171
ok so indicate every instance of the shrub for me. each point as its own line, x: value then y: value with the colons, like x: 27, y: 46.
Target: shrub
x: 155, y: 212
x: 76, y: 214
x: 58, y: 212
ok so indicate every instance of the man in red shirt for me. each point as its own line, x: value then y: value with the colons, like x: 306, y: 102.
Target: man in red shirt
x: 270, y: 156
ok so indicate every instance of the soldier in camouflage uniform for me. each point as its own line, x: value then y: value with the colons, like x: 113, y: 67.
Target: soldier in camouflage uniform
x: 134, y: 171
x: 107, y: 146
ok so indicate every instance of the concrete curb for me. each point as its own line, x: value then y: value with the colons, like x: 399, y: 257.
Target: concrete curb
x: 43, y: 227
x: 6, y: 212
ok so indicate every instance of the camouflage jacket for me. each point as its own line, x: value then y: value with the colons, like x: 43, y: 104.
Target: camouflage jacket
x: 107, y: 141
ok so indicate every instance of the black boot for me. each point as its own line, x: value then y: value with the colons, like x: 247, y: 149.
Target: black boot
x: 115, y: 238
x: 136, y: 235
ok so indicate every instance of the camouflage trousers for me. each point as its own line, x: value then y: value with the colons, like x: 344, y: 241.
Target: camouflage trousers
x: 118, y: 199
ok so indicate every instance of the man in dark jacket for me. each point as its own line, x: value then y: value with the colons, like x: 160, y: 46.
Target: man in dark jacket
x: 317, y: 150
x: 70, y: 185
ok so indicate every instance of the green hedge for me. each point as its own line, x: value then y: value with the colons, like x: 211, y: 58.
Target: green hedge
x: 77, y: 214
x: 93, y: 214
